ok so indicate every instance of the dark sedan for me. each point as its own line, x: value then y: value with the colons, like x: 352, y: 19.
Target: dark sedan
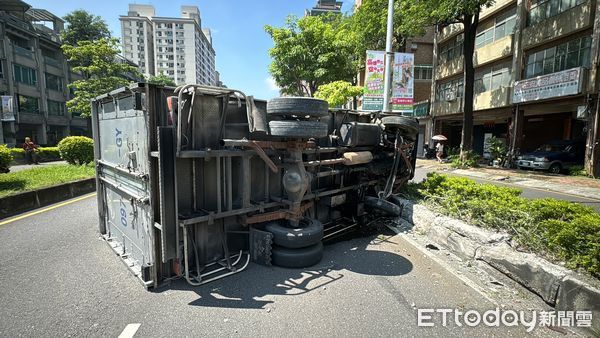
x: 554, y: 156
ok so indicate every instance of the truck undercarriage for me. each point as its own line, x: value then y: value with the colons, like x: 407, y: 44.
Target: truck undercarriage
x: 195, y: 182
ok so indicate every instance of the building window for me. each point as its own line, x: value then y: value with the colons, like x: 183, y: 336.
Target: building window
x: 544, y: 9
x: 423, y: 72
x: 492, y: 78
x: 451, y: 49
x: 56, y: 108
x: 501, y: 26
x: 25, y: 75
x: 28, y: 104
x: 54, y: 82
x: 449, y: 90
x: 574, y: 53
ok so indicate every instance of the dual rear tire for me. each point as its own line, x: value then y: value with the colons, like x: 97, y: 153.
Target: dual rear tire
x: 296, y: 247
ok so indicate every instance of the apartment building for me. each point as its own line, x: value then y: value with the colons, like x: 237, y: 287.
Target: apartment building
x: 535, y: 74
x: 34, y: 76
x: 177, y: 47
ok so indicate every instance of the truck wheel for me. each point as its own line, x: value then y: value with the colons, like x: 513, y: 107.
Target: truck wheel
x: 409, y: 127
x: 297, y: 106
x: 297, y: 258
x: 397, y: 201
x: 383, y: 205
x: 310, y: 233
x: 298, y: 129
x: 556, y: 168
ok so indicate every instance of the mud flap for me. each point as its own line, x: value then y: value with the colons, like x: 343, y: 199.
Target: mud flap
x: 260, y: 246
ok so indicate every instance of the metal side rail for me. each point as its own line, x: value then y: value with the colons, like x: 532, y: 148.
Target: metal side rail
x: 217, y: 270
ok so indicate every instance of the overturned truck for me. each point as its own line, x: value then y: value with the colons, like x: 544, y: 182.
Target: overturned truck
x: 195, y: 182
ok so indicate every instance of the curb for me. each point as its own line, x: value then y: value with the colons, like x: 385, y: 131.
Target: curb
x: 29, y: 200
x: 561, y: 288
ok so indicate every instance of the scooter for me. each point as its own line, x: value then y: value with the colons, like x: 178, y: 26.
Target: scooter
x: 428, y: 152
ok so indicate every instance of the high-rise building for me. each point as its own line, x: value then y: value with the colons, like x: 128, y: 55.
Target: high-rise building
x: 33, y: 76
x: 325, y: 6
x: 177, y: 47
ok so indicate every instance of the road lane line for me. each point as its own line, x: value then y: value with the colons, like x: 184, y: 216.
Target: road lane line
x: 32, y: 213
x: 130, y: 330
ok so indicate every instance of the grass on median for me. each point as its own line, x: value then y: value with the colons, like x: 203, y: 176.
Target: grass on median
x: 40, y: 177
x: 559, y: 230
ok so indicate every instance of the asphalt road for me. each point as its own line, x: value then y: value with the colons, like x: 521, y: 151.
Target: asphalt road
x: 531, y: 193
x: 58, y: 278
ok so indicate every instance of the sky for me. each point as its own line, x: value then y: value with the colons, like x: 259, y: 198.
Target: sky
x: 239, y: 38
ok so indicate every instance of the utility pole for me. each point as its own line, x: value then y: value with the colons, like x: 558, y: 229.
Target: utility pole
x: 389, y: 58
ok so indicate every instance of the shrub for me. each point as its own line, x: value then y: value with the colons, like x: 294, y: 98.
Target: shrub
x: 45, y: 154
x: 471, y: 160
x: 76, y: 149
x: 578, y: 170
x: 560, y: 230
x: 5, y: 158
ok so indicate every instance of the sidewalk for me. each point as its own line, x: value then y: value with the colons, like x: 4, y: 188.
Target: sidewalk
x: 21, y: 167
x: 578, y: 186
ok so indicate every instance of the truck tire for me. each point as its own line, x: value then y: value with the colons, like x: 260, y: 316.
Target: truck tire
x: 297, y: 258
x: 408, y: 126
x: 397, y: 201
x: 310, y: 233
x: 298, y: 129
x: 297, y: 106
x: 383, y: 205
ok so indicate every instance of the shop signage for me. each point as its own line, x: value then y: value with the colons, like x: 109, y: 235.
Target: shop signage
x: 564, y: 83
x: 373, y: 96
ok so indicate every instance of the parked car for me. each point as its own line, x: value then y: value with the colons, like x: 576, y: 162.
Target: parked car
x: 555, y: 156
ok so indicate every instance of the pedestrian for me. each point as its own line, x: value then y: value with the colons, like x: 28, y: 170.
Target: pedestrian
x: 30, y: 151
x: 439, y: 151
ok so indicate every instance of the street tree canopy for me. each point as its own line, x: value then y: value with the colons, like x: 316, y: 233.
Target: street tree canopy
x: 311, y: 51
x: 369, y: 24
x: 161, y: 80
x: 83, y: 26
x: 338, y: 92
x: 102, y: 73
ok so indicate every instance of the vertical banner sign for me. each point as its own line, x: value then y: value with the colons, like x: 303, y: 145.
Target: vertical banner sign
x: 403, y: 83
x: 373, y: 96
x: 7, y: 108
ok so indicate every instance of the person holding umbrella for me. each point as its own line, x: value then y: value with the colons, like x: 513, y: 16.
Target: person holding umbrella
x: 439, y: 147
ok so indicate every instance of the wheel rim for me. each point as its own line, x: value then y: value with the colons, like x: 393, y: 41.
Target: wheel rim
x: 555, y: 169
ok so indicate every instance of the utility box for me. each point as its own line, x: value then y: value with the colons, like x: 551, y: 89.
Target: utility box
x: 196, y: 182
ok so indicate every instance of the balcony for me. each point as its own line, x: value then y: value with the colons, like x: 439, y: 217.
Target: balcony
x: 442, y: 108
x: 493, y: 51
x: 23, y: 51
x: 493, y: 99
x: 449, y: 31
x: 498, y: 5
x: 449, y: 68
x: 572, y: 20
x: 53, y: 62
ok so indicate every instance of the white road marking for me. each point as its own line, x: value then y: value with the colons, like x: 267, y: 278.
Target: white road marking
x: 130, y: 330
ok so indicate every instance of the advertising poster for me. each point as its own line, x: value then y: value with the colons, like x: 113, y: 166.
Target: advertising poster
x: 403, y: 83
x: 373, y: 96
x: 8, y: 113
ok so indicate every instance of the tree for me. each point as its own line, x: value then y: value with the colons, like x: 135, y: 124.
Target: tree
x: 465, y: 12
x: 161, y: 80
x: 96, y: 60
x: 337, y: 93
x: 369, y: 24
x: 83, y: 26
x: 311, y: 51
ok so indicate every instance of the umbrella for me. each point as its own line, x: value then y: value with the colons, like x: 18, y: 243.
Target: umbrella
x: 439, y: 138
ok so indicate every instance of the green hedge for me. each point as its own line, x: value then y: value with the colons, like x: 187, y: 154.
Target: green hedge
x: 5, y: 158
x: 77, y: 149
x: 560, y: 230
x: 45, y: 154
